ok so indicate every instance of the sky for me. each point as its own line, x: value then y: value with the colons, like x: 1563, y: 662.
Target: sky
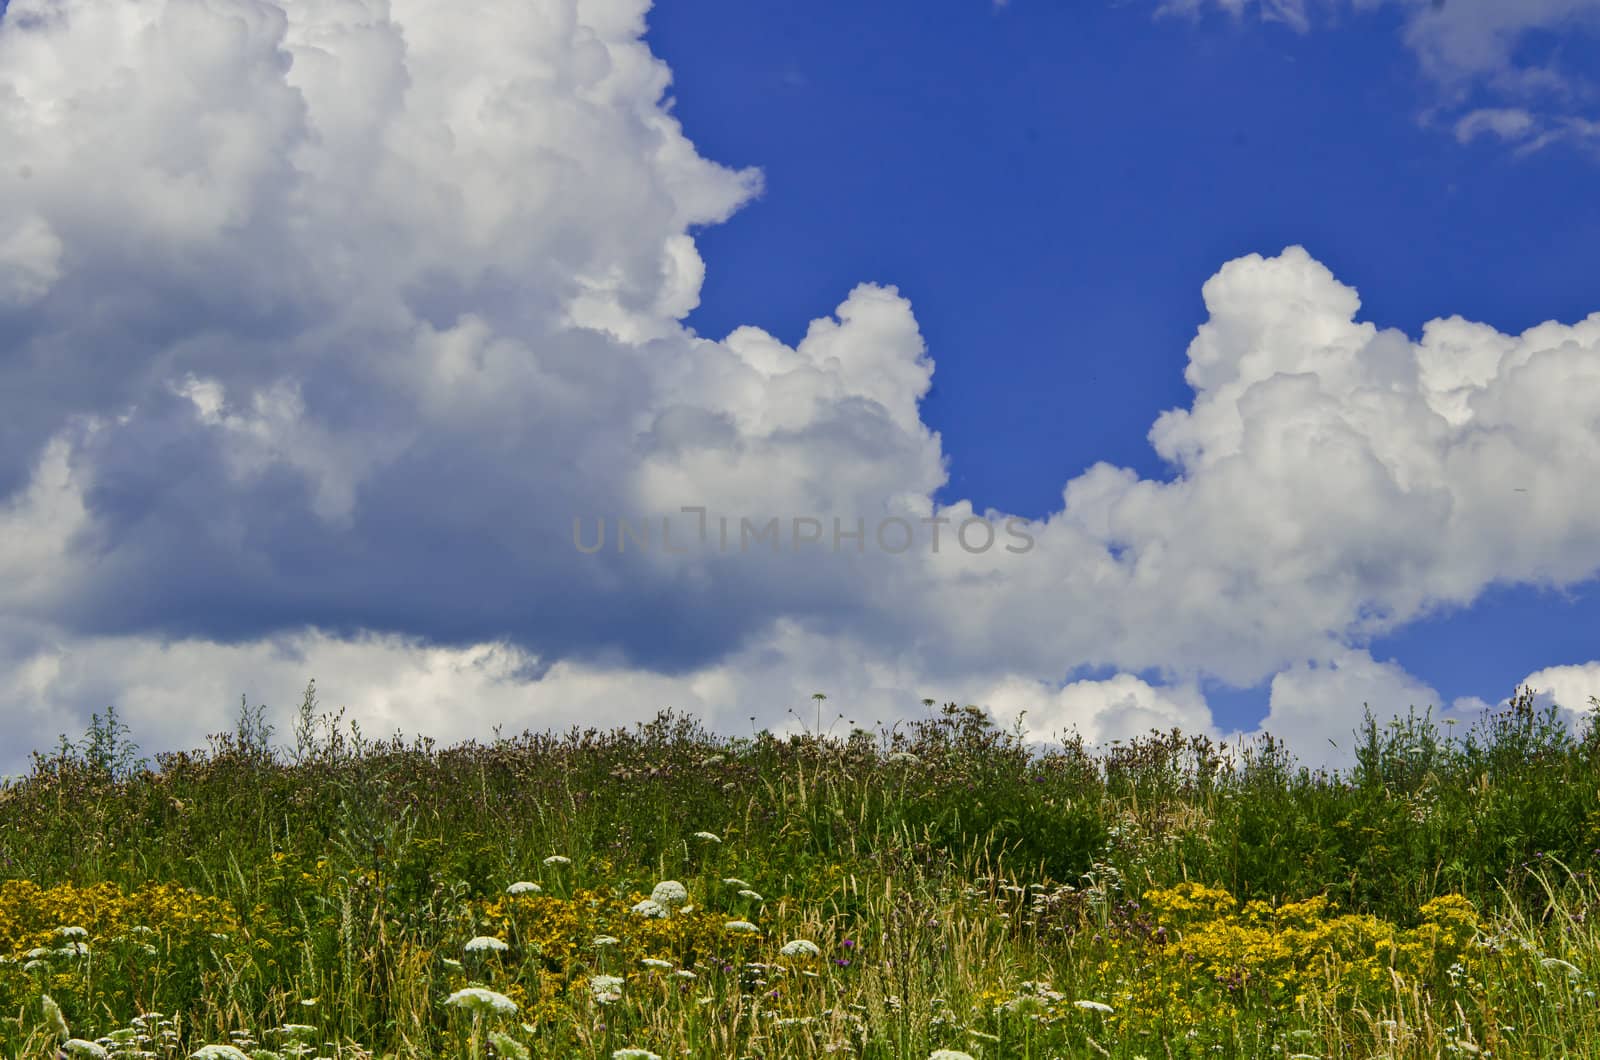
x: 1243, y: 357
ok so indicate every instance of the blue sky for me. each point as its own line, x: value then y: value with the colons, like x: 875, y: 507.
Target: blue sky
x: 1049, y: 183
x: 321, y: 325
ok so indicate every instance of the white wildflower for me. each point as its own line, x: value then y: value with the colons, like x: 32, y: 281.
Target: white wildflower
x: 72, y: 932
x: 752, y: 895
x: 1093, y: 1006
x: 605, y: 988
x: 634, y: 1054
x: 949, y: 1054
x: 606, y: 940
x: 734, y: 881
x: 800, y: 948
x: 650, y: 907
x: 479, y: 999
x: 709, y: 837
x: 219, y: 1052
x: 80, y: 1047
x: 669, y: 893
x: 524, y: 887
x: 741, y: 926
x: 485, y: 944
x: 657, y: 962
x: 557, y: 859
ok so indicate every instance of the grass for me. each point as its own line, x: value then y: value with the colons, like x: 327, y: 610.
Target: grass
x: 937, y: 886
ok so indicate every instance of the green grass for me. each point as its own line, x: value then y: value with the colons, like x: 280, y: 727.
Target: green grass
x: 963, y: 893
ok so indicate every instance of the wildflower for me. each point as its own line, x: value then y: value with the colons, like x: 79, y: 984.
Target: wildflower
x: 949, y: 1054
x: 80, y: 1047
x: 907, y: 758
x: 742, y: 926
x: 72, y: 932
x: 486, y: 943
x: 734, y: 881
x: 634, y: 1054
x: 1030, y: 1005
x: 557, y: 859
x: 219, y: 1052
x: 606, y: 940
x: 72, y: 949
x: 524, y: 887
x: 800, y: 948
x: 479, y: 1000
x: 605, y: 988
x: 508, y: 1047
x: 650, y: 907
x: 709, y: 837
x: 684, y: 973
x: 657, y: 962
x: 297, y: 1031
x: 669, y: 893
x: 752, y: 895
x: 1093, y: 1006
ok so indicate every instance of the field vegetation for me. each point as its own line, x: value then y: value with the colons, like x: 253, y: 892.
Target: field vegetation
x: 938, y: 889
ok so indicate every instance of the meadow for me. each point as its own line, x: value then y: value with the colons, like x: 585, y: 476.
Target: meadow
x: 935, y: 890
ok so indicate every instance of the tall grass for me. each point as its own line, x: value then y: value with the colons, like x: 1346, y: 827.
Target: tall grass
x: 963, y: 892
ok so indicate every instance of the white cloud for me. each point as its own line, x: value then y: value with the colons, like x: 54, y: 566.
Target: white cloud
x: 1292, y: 13
x: 1508, y: 123
x: 1474, y: 50
x: 347, y: 308
x: 1318, y: 705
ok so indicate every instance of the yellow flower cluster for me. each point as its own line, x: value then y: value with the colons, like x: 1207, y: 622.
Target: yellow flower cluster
x: 29, y: 914
x: 1206, y: 958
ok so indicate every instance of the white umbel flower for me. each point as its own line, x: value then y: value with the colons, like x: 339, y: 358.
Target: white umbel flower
x: 486, y: 944
x: 479, y: 999
x: 524, y: 887
x: 1093, y: 1006
x: 669, y: 893
x: 800, y: 948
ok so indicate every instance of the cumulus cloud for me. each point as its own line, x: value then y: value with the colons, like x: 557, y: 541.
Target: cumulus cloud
x: 323, y: 320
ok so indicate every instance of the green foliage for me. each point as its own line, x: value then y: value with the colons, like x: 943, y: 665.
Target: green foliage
x: 346, y: 860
